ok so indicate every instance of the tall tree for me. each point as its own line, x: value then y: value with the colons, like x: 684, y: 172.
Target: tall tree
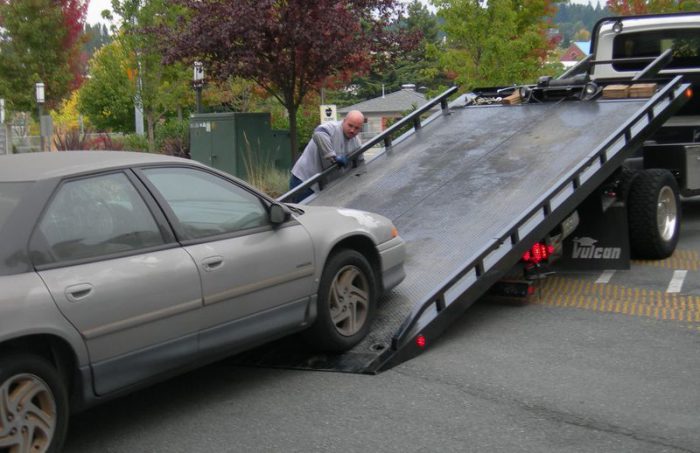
x: 160, y: 89
x: 287, y: 47
x: 107, y: 97
x: 97, y: 36
x: 498, y: 42
x: 419, y: 66
x: 74, y: 12
x: 39, y: 41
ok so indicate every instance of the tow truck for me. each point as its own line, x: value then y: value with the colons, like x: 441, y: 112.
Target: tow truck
x: 505, y: 176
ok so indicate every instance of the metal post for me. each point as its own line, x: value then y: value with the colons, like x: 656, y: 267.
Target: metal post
x: 198, y: 98
x: 41, y: 130
x: 198, y: 83
x: 40, y: 99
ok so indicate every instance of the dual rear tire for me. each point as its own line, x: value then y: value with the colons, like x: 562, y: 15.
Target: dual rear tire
x: 653, y: 214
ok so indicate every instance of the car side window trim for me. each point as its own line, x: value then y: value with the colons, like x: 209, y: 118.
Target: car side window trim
x: 153, y: 206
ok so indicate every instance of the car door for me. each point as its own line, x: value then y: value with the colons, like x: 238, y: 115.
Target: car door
x: 117, y: 274
x: 256, y: 277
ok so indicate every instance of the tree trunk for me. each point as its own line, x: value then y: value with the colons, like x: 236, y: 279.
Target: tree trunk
x: 292, y: 112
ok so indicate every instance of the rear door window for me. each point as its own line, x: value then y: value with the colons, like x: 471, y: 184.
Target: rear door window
x: 94, y: 217
x: 684, y: 43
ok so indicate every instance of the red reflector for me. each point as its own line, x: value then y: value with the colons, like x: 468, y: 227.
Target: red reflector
x: 530, y: 290
x: 689, y: 93
x: 420, y: 341
x: 537, y: 253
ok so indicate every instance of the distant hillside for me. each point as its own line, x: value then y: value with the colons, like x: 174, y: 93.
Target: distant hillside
x: 575, y: 21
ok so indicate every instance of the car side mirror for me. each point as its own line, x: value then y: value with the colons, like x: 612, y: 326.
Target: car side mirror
x: 279, y: 214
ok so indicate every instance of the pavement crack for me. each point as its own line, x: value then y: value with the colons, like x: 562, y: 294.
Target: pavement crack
x: 543, y: 412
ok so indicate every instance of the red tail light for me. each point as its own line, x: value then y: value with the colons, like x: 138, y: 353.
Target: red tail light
x: 539, y: 252
x: 421, y: 341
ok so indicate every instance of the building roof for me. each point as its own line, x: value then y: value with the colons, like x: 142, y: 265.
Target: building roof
x: 397, y: 102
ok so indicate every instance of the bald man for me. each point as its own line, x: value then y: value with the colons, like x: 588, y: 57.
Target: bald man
x: 330, y: 143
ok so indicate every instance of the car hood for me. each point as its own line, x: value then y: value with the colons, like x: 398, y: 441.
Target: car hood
x: 336, y: 223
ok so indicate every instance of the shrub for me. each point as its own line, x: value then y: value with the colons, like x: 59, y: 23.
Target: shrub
x: 262, y: 173
x: 172, y: 138
x: 135, y: 142
x: 72, y: 140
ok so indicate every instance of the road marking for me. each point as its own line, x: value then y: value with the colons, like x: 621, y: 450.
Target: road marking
x: 676, y: 281
x: 605, y: 277
x: 681, y: 259
x: 575, y: 293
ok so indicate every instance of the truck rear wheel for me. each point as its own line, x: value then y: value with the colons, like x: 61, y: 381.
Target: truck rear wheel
x: 654, y: 214
x: 346, y: 303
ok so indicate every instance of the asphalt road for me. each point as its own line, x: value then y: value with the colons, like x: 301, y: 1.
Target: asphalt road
x: 568, y: 373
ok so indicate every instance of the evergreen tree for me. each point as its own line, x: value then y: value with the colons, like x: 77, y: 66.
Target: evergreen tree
x: 96, y: 36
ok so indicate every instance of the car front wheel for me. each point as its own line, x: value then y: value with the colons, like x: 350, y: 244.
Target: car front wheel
x: 346, y: 303
x: 33, y: 405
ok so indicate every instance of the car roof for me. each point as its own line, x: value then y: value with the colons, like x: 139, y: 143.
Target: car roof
x: 45, y: 165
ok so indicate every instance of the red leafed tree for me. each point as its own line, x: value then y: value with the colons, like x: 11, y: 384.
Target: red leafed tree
x: 627, y: 7
x: 74, y: 12
x: 288, y: 47
x: 635, y: 7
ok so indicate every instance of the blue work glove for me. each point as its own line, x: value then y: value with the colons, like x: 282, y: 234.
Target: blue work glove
x: 342, y: 161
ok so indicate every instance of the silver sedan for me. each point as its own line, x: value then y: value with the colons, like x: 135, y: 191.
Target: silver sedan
x: 119, y: 269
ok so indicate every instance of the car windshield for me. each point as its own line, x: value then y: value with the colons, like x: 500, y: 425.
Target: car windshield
x: 10, y: 195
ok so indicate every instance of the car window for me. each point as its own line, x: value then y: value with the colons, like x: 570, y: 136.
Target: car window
x: 93, y: 217
x: 205, y: 204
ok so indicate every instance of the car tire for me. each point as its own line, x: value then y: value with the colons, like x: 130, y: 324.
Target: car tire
x: 654, y: 214
x: 33, y: 405
x: 346, y: 303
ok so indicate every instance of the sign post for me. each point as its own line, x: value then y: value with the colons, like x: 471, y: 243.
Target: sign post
x: 3, y: 129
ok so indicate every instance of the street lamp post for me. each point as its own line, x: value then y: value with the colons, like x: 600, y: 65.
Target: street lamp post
x: 40, y: 99
x: 198, y: 83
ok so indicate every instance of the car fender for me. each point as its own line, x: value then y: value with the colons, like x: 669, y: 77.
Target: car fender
x: 25, y: 299
x: 330, y: 226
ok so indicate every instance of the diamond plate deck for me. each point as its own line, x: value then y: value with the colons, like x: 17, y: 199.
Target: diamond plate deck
x: 451, y: 187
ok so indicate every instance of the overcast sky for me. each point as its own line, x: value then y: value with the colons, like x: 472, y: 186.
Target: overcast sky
x: 95, y: 10
x: 96, y: 6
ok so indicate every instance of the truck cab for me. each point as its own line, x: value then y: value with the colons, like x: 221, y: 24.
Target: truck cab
x: 621, y: 48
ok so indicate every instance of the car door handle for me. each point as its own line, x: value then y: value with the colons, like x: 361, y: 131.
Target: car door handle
x: 75, y: 293
x: 213, y: 262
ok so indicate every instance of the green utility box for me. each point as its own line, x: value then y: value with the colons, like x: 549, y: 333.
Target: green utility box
x: 234, y: 141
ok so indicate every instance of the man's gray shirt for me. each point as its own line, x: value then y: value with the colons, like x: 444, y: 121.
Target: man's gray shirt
x: 327, y: 141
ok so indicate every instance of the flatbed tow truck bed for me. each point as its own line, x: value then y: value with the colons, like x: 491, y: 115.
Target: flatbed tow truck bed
x: 470, y: 190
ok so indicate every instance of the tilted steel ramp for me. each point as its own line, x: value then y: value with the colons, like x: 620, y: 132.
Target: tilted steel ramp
x: 470, y: 193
